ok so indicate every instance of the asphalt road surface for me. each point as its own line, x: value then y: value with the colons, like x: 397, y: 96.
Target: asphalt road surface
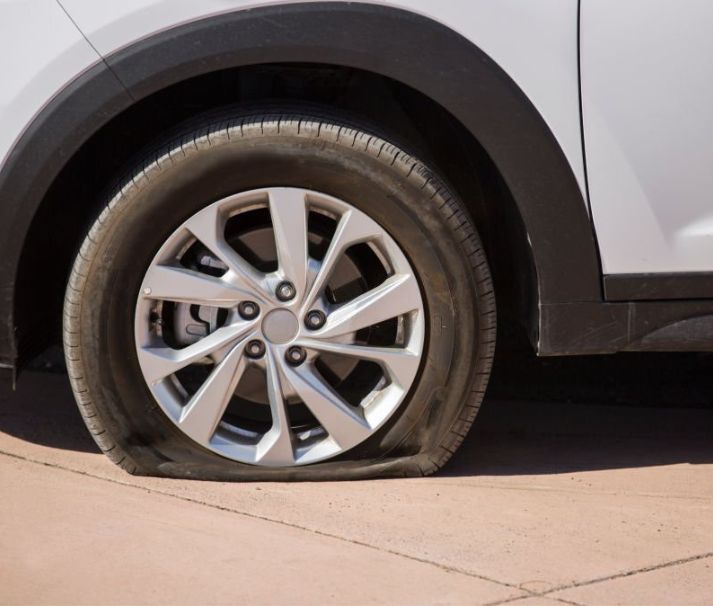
x: 546, y: 503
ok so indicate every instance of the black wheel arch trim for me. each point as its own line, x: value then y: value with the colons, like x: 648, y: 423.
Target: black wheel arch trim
x: 398, y: 44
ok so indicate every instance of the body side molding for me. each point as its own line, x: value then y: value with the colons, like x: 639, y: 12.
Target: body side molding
x: 659, y: 286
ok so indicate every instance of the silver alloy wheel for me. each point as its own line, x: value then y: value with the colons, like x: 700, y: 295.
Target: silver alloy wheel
x: 225, y: 344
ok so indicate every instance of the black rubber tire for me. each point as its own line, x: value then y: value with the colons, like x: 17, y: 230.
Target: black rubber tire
x: 224, y: 156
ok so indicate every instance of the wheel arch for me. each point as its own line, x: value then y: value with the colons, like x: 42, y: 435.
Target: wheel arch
x: 490, y: 107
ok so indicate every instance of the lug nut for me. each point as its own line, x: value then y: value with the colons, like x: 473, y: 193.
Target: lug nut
x: 255, y: 349
x: 295, y: 355
x: 315, y: 319
x: 248, y: 310
x: 285, y: 291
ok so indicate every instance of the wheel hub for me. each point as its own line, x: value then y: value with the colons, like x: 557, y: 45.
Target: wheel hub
x: 280, y: 326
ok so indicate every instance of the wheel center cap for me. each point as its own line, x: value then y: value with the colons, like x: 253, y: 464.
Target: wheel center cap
x: 280, y: 326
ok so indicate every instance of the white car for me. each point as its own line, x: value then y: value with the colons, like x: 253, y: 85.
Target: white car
x: 278, y: 233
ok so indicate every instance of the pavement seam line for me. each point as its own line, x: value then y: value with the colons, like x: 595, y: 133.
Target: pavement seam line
x: 569, y: 602
x: 528, y: 597
x: 254, y: 516
x: 630, y: 573
x: 620, y: 575
x: 540, y: 488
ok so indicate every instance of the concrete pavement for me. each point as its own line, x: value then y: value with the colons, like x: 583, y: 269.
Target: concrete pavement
x: 545, y: 504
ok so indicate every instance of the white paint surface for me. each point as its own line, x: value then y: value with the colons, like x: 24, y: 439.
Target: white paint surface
x: 647, y: 86
x: 40, y: 51
x: 533, y: 41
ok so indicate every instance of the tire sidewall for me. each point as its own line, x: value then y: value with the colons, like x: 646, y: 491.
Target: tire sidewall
x: 190, y: 176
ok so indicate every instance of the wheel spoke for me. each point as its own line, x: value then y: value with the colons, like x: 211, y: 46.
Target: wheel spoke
x: 159, y: 362
x: 289, y: 221
x: 344, y: 423
x: 208, y: 226
x: 395, y: 296
x: 400, y: 364
x: 181, y: 285
x: 275, y: 448
x: 353, y: 228
x: 205, y: 409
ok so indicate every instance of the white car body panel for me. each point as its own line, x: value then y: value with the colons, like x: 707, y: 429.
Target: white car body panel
x: 647, y: 97
x: 40, y: 51
x: 534, y: 42
x: 647, y: 151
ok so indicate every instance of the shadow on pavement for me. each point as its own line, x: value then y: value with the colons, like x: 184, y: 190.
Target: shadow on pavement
x: 43, y: 411
x: 540, y: 417
x: 513, y: 438
x: 559, y: 415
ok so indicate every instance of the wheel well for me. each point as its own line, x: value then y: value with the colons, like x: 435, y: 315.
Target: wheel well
x: 76, y: 195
